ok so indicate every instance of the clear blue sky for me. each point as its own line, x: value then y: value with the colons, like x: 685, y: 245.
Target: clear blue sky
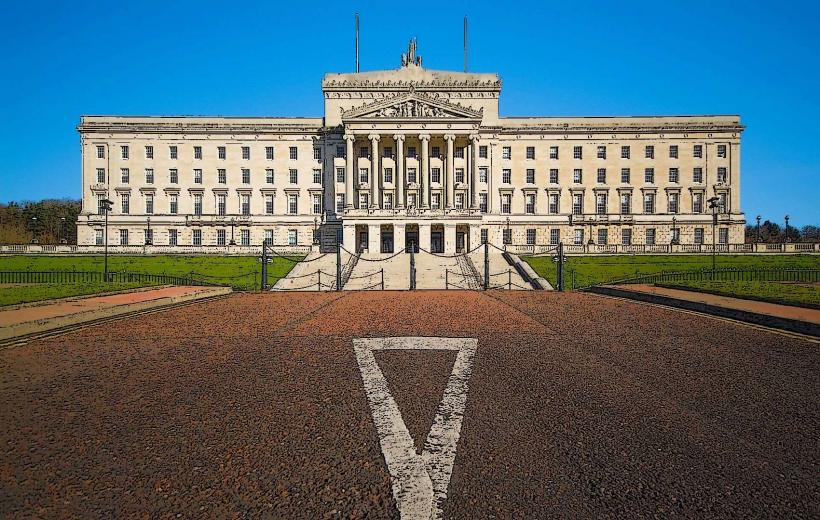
x: 760, y: 60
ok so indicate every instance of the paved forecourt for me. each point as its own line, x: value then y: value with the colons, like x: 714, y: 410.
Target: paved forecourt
x: 427, y: 404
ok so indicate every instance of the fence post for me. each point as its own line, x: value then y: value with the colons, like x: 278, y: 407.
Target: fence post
x: 382, y: 278
x: 264, y: 265
x: 560, y: 266
x: 412, y: 268
x: 338, y: 265
x: 319, y: 283
x: 487, y: 264
x: 509, y: 279
x: 446, y: 279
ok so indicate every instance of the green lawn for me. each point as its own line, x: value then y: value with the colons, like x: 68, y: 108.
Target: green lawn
x: 240, y: 272
x: 10, y: 295
x: 589, y: 270
x: 789, y: 293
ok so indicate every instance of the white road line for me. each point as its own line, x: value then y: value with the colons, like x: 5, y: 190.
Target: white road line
x: 419, y: 482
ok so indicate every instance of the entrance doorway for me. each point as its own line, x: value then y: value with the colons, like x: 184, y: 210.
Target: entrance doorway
x: 462, y: 238
x: 437, y: 238
x: 387, y: 239
x: 361, y: 238
x: 411, y: 238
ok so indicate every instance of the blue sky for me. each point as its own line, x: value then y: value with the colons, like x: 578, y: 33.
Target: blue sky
x: 759, y: 60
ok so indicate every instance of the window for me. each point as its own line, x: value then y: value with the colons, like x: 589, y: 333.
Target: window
x: 197, y: 176
x: 364, y: 152
x: 173, y: 176
x: 553, y: 175
x: 124, y: 155
x: 364, y: 200
x: 317, y: 153
x: 673, y: 202
x: 172, y: 237
x: 577, y: 176
x: 411, y: 152
x: 721, y: 151
x: 699, y: 235
x: 673, y: 151
x: 650, y: 236
x: 124, y: 175
x: 673, y: 175
x: 721, y: 175
x: 293, y: 176
x: 530, y: 176
x: 293, y: 207
x: 482, y: 152
x: 268, y: 237
x: 411, y: 175
x: 246, y: 176
x: 197, y: 152
x: 317, y: 176
x: 624, y: 152
x: 246, y: 152
x: 507, y: 236
x: 626, y: 236
x: 269, y: 175
x: 222, y: 176
x: 530, y: 237
x: 363, y: 175
x: 98, y: 237
x: 341, y: 151
x: 577, y: 152
x: 123, y: 237
x: 293, y: 153
x: 603, y: 236
x: 555, y: 236
x: 198, y: 204
x: 173, y: 202
x: 649, y: 203
x: 435, y: 175
x: 697, y: 203
x: 601, y: 175
x: 529, y: 200
x: 220, y: 237
x: 625, y: 174
x: 697, y: 174
x: 388, y: 201
x: 340, y: 203
x: 483, y: 236
x: 506, y: 176
x: 506, y: 206
x: 553, y: 152
x: 221, y: 152
x: 221, y: 204
x: 553, y: 205
x: 436, y: 152
x: 245, y: 201
x: 506, y: 152
x: 530, y: 152
x: 293, y: 237
x: 460, y: 175
x: 600, y: 203
x: 697, y: 151
x: 579, y: 237
x: 435, y: 201
x: 482, y: 174
x: 458, y: 153
x: 100, y: 207
x: 649, y: 175
x: 723, y: 235
x: 269, y: 204
x: 626, y: 203
x: 100, y: 175
x: 125, y: 203
x: 482, y: 202
x: 317, y: 204
x: 340, y: 174
x: 172, y: 152
x: 149, y: 176
x: 149, y: 152
x: 602, y: 152
x: 722, y: 206
x: 577, y: 203
x: 388, y: 175
x: 269, y: 152
x: 676, y: 235
x: 100, y: 151
x: 149, y: 203
x: 245, y: 237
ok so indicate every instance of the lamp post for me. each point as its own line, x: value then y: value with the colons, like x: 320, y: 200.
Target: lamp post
x: 233, y: 224
x: 787, y: 229
x: 758, y: 229
x: 675, y: 238
x: 315, y: 228
x: 713, y: 205
x: 508, y: 234
x: 149, y: 240
x: 34, y: 230
x: 61, y: 237
x: 106, y: 205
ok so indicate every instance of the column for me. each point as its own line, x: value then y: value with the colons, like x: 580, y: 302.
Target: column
x: 399, y: 138
x: 349, y: 237
x: 398, y: 236
x: 350, y: 174
x: 450, y: 191
x: 373, y: 238
x: 424, y: 235
x: 424, y: 179
x: 473, y: 196
x: 375, y: 174
x: 449, y: 239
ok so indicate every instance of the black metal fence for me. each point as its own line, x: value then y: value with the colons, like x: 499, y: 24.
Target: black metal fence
x: 726, y: 275
x: 67, y: 277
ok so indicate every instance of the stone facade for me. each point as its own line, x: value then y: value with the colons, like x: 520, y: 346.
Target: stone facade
x: 411, y: 155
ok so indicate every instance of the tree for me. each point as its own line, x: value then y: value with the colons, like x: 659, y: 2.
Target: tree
x: 25, y: 222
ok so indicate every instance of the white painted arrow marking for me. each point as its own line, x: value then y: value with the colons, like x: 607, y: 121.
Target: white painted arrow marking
x: 419, y: 482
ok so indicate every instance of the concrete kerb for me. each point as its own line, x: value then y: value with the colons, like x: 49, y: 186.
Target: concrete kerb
x: 537, y: 280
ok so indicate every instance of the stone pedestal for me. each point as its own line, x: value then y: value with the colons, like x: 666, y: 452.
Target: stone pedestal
x: 349, y: 237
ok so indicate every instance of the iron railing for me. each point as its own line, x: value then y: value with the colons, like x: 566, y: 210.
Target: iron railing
x: 725, y: 274
x: 70, y: 277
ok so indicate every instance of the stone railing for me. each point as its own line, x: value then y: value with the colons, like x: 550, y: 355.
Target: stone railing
x: 642, y: 249
x: 256, y: 250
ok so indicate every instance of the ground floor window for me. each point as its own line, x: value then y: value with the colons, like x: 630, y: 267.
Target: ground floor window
x: 603, y: 236
x: 483, y: 236
x: 530, y: 237
x: 292, y: 237
x: 508, y: 236
x: 197, y: 240
x: 698, y: 235
x: 98, y: 237
x: 268, y: 237
x: 555, y: 236
x: 245, y: 237
x: 220, y: 237
x: 723, y: 235
x: 626, y: 236
x: 650, y: 236
x: 579, y: 237
x: 172, y: 237
x: 149, y: 237
x: 123, y: 237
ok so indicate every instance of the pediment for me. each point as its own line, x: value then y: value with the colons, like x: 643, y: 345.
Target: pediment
x: 412, y: 105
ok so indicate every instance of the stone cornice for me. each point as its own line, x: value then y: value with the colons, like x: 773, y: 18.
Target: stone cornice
x: 617, y: 128
x: 166, y: 127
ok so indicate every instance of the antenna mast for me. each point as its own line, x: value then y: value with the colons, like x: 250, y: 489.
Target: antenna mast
x: 357, y: 42
x: 465, y: 43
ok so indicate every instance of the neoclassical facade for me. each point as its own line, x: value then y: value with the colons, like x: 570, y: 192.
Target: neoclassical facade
x: 410, y: 156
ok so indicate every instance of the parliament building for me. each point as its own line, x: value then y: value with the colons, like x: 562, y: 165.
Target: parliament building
x: 410, y: 156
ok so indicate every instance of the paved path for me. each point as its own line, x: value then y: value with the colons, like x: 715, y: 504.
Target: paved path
x: 305, y: 275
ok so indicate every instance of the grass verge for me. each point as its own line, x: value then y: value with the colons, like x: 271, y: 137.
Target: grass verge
x: 15, y: 294
x: 786, y: 293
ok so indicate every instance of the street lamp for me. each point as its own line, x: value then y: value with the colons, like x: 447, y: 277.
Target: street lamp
x: 233, y: 224
x: 148, y: 238
x: 675, y: 239
x: 508, y: 235
x: 758, y: 228
x: 315, y: 229
x: 61, y: 236
x: 787, y: 228
x: 105, y: 206
x: 713, y: 205
x: 34, y: 230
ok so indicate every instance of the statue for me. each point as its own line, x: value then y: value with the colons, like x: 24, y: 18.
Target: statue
x: 410, y: 58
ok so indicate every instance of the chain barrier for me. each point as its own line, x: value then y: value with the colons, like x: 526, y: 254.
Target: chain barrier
x: 440, y: 255
x: 291, y: 258
x: 360, y: 257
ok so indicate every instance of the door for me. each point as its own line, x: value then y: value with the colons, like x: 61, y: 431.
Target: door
x: 460, y: 242
x: 437, y: 242
x: 411, y: 241
x: 387, y: 241
x: 362, y: 245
